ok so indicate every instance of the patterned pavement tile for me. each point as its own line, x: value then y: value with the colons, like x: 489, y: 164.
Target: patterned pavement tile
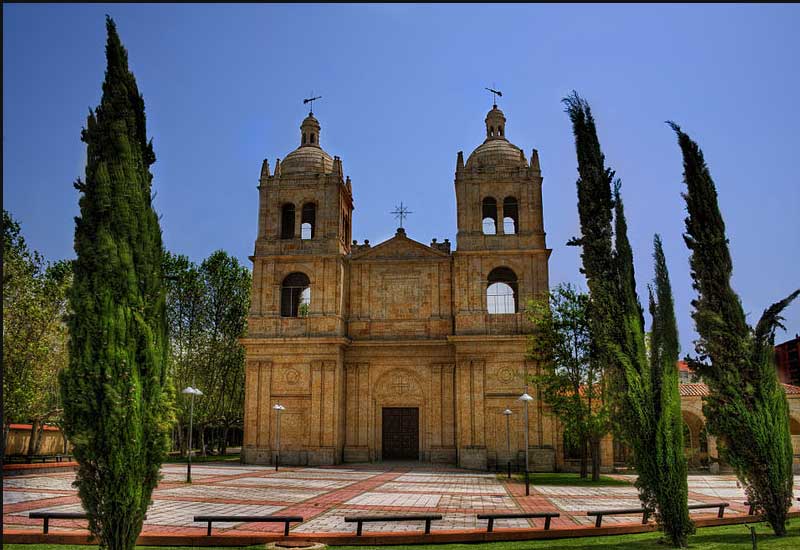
x: 13, y: 497
x: 443, y: 488
x: 395, y: 499
x: 200, y: 492
x: 477, y: 503
x: 40, y: 482
x: 272, y: 481
x: 589, y: 492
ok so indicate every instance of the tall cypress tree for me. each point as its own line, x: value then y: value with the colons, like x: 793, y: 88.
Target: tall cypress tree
x: 746, y: 408
x: 664, y: 349
x: 116, y: 394
x: 616, y: 317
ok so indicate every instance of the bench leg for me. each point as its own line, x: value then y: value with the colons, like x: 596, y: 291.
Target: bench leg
x: 547, y: 523
x: 46, y: 525
x: 645, y: 517
x: 286, y: 529
x: 358, y: 529
x: 721, y: 512
x: 490, y: 526
x: 752, y: 509
x: 208, y: 534
x: 598, y: 521
x: 427, y: 527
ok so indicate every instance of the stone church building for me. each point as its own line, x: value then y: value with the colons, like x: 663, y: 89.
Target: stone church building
x: 398, y: 350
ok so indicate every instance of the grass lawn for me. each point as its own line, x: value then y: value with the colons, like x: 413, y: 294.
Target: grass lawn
x: 198, y: 459
x: 729, y: 537
x: 565, y: 479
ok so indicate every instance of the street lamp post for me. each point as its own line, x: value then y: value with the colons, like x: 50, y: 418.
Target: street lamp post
x: 525, y: 398
x: 190, y: 391
x: 508, y: 414
x: 278, y: 408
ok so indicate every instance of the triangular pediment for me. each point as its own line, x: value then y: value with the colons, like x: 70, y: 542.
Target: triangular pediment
x: 399, y: 247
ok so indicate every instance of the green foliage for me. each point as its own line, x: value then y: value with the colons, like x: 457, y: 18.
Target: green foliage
x: 572, y: 381
x: 207, y: 308
x: 747, y: 408
x: 116, y: 393
x: 616, y: 319
x: 672, y: 491
x: 34, y: 332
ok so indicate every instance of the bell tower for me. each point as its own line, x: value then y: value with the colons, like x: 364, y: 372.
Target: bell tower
x: 501, y: 257
x: 304, y: 229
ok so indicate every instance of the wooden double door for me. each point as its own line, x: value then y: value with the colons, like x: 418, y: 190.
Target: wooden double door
x: 400, y: 433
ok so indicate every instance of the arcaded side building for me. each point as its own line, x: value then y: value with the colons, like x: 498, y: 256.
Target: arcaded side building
x: 399, y: 349
x: 406, y: 350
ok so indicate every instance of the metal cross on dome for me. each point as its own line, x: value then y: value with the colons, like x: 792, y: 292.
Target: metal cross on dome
x: 401, y: 212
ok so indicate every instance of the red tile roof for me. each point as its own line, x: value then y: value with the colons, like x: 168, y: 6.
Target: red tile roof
x: 701, y: 390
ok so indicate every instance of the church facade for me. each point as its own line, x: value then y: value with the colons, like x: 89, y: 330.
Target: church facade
x: 399, y: 350
x: 406, y: 350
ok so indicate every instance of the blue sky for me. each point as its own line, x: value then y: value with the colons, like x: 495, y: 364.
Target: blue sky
x: 403, y: 92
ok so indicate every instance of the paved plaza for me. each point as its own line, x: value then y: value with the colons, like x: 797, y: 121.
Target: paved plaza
x: 324, y: 496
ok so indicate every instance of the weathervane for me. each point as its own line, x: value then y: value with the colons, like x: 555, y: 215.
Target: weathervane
x: 495, y: 94
x: 401, y: 212
x: 311, y: 100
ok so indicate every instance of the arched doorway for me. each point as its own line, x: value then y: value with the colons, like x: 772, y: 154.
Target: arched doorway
x: 399, y: 416
x: 695, y: 441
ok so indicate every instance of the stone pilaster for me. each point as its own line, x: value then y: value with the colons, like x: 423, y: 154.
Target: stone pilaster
x: 470, y: 404
x: 257, y: 448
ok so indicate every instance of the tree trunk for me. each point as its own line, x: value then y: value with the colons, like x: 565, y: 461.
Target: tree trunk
x: 32, y: 441
x: 584, y: 458
x: 6, y: 432
x: 595, y: 459
x: 202, y: 441
x: 223, y: 443
x: 64, y: 439
x: 181, y: 441
x: 39, y: 439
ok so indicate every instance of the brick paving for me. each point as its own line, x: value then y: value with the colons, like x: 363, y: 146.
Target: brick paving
x: 325, y: 495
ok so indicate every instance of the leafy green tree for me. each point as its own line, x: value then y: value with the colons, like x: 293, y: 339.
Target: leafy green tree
x: 186, y: 314
x: 116, y: 393
x: 34, y: 334
x: 572, y: 382
x: 664, y: 349
x: 207, y: 312
x: 747, y: 408
x: 616, y: 317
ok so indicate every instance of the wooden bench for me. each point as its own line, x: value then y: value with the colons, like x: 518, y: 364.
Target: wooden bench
x: 719, y: 505
x: 286, y: 520
x: 47, y: 516
x: 620, y: 511
x: 492, y: 517
x: 752, y: 507
x: 427, y: 518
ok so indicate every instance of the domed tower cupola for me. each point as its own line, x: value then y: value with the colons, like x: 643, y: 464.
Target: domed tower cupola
x: 309, y: 132
x: 495, y: 124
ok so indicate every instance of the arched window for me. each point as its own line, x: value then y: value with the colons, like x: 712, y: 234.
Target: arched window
x: 510, y: 216
x: 500, y: 131
x: 295, y: 295
x: 489, y: 216
x: 491, y: 131
x: 311, y: 138
x: 308, y: 221
x: 304, y: 138
x: 287, y: 221
x: 501, y: 294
